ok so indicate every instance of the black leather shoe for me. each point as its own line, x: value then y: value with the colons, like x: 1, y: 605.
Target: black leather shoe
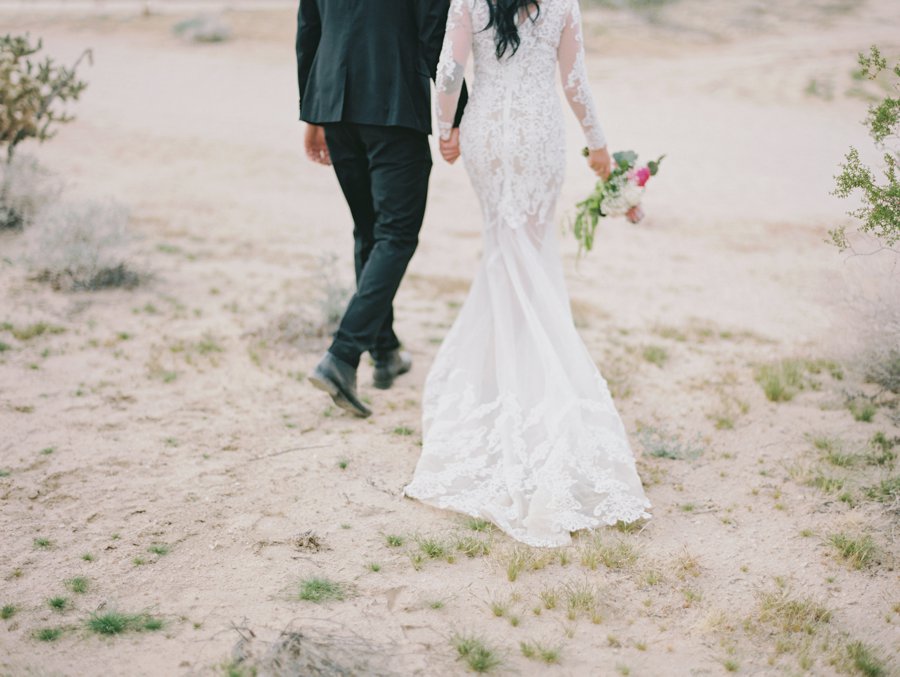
x: 390, y: 366
x: 338, y: 379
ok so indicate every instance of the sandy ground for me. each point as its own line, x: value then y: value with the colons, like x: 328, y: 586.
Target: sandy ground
x: 178, y: 413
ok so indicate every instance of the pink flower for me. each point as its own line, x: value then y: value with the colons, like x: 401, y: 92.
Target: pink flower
x: 642, y: 176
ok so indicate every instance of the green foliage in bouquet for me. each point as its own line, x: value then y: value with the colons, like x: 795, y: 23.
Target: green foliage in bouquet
x: 880, y: 210
x: 32, y: 92
x: 589, y: 211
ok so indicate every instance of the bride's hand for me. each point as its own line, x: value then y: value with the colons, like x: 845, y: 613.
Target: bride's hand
x: 600, y: 162
x: 450, y: 147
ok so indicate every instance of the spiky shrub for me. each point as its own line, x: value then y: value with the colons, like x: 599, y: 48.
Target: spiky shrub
x: 82, y: 246
x: 34, y: 92
x: 879, y: 213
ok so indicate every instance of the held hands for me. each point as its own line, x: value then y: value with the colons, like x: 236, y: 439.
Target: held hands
x: 450, y: 147
x: 600, y: 162
x: 316, y: 148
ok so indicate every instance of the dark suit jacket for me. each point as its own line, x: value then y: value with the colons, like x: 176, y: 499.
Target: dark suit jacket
x: 369, y: 61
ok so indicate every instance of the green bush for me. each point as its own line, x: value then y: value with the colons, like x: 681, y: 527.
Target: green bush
x: 880, y: 211
x: 33, y: 92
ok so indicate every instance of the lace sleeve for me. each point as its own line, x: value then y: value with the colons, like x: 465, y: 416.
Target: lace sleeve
x: 575, y: 81
x: 452, y: 65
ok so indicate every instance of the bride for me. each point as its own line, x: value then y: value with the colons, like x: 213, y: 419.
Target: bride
x: 519, y: 426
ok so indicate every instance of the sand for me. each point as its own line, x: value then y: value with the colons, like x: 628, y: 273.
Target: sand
x: 177, y: 413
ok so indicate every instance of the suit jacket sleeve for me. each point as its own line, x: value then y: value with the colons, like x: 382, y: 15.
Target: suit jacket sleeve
x: 432, y: 20
x: 309, y: 32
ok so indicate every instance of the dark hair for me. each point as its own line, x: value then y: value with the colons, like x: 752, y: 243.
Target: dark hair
x: 503, y: 17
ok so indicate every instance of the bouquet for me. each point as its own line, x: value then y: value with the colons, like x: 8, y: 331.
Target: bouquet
x: 619, y: 195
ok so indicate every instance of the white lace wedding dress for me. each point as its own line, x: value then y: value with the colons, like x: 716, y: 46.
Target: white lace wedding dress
x: 519, y: 425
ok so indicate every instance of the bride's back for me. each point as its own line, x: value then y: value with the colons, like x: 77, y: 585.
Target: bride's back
x: 533, y: 66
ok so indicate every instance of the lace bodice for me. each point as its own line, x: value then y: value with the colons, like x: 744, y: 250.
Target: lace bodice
x: 525, y: 80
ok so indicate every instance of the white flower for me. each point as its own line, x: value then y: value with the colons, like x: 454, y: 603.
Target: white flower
x: 632, y: 194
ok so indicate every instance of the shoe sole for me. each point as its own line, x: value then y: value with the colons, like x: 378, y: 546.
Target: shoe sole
x: 338, y: 397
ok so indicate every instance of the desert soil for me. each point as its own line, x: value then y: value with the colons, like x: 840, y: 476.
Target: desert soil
x: 176, y: 418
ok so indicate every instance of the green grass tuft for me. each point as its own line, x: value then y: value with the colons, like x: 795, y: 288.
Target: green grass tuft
x: 656, y: 355
x: 865, y: 661
x: 863, y: 410
x: 7, y: 611
x: 887, y: 491
x: 320, y: 590
x: 478, y: 524
x: 394, y: 541
x: 478, y: 656
x: 859, y: 552
x: 782, y: 380
x: 48, y: 634
x: 110, y: 623
x: 78, y: 585
x: 116, y: 623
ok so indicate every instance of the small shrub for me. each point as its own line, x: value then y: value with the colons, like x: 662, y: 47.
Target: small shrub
x: 26, y: 189
x: 434, y: 548
x: 48, y: 634
x: 865, y: 660
x: 887, y: 491
x: 884, y: 369
x: 320, y: 590
x: 7, y: 612
x: 656, y: 355
x: 394, y: 541
x: 882, y: 449
x: 862, y: 409
x: 782, y: 380
x: 537, y: 651
x: 662, y: 444
x: 478, y: 656
x: 205, y: 28
x: 115, y: 623
x: 859, y: 552
x: 82, y: 246
x: 478, y: 524
x: 790, y: 614
x: 79, y: 585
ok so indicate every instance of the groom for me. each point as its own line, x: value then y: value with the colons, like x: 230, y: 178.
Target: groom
x: 363, y: 68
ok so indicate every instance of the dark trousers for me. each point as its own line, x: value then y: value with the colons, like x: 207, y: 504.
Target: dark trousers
x: 383, y: 172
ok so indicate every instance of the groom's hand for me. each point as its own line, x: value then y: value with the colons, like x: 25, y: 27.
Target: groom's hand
x: 316, y: 148
x: 600, y: 162
x: 450, y: 147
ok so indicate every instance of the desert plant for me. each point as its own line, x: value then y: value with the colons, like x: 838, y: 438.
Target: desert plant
x: 25, y: 188
x: 879, y: 214
x: 203, y: 28
x: 475, y: 652
x: 321, y: 590
x: 663, y: 444
x: 82, y: 246
x: 857, y: 551
x: 33, y: 92
x: 116, y: 623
